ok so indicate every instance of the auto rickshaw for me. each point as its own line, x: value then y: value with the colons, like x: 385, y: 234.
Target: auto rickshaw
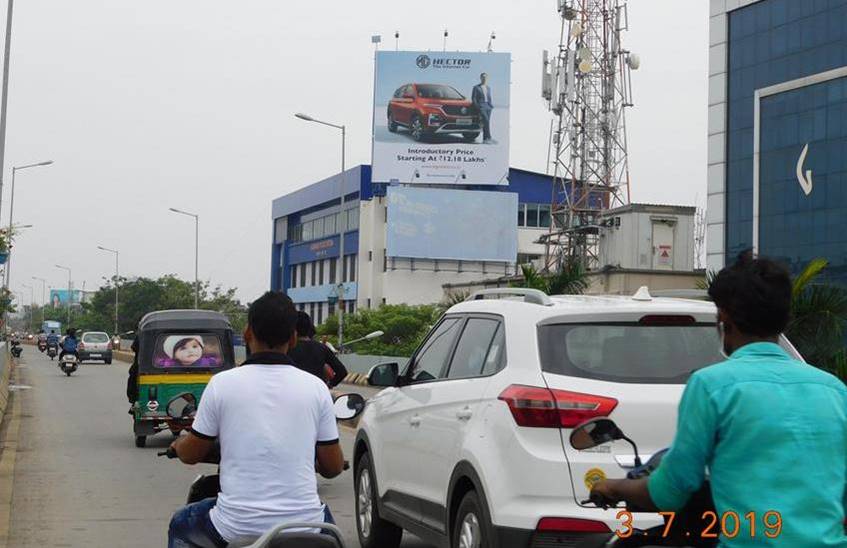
x: 178, y: 352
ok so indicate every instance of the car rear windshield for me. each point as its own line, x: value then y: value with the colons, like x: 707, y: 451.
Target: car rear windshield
x: 95, y: 338
x: 628, y: 352
x: 435, y: 91
x: 188, y: 350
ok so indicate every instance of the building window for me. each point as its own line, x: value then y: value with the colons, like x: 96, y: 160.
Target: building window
x: 321, y: 272
x: 341, y: 220
x: 312, y: 310
x: 344, y: 269
x: 280, y: 229
x: 295, y: 233
x: 384, y: 260
x: 303, y: 275
x: 370, y: 256
x: 521, y: 214
x: 532, y: 215
x: 353, y: 218
x: 352, y: 260
x: 314, y: 269
x: 318, y: 228
x: 369, y: 302
x: 294, y: 276
x: 320, y: 313
x: 329, y: 225
x: 331, y: 309
x: 544, y: 215
x: 308, y: 231
x: 333, y: 270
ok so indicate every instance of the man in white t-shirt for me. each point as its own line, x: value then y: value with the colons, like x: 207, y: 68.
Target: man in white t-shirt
x: 273, y: 421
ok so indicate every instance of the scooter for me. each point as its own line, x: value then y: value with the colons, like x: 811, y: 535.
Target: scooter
x: 16, y: 348
x: 288, y: 535
x: 685, y: 528
x: 69, y: 363
x: 52, y: 351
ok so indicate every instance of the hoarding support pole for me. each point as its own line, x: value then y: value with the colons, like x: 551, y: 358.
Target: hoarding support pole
x: 341, y: 217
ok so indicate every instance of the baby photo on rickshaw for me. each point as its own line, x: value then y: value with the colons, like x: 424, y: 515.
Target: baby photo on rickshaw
x: 188, y: 350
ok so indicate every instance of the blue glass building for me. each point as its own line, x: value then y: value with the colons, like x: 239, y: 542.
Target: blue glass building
x: 777, y: 174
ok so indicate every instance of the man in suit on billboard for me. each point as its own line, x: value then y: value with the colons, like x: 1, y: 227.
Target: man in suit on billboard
x: 481, y: 98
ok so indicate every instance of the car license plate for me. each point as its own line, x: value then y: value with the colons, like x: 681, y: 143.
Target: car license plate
x: 464, y: 121
x: 95, y: 355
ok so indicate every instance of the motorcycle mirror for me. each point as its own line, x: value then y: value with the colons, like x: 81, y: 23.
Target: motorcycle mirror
x: 348, y: 406
x: 595, y: 432
x: 182, y: 405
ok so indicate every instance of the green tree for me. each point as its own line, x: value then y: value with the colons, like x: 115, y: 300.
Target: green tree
x: 572, y: 279
x: 139, y: 296
x: 404, y: 327
x: 819, y: 318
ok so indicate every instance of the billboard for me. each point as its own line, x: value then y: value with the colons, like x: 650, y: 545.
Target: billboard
x: 441, y: 118
x: 466, y: 225
x: 59, y: 297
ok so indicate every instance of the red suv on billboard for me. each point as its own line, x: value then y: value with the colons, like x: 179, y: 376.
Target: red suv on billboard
x: 426, y: 110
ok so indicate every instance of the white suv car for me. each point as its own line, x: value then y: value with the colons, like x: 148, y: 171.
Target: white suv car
x: 469, y: 445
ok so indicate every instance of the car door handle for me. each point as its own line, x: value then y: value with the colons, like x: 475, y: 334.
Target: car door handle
x: 415, y: 420
x: 464, y: 414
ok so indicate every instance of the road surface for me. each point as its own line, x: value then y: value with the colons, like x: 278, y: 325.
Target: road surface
x: 79, y: 480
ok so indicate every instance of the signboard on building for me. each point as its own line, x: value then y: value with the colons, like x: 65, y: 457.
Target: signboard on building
x: 465, y: 225
x: 441, y: 118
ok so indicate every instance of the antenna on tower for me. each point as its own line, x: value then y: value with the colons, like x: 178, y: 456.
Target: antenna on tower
x: 491, y: 42
x: 445, y: 39
x: 586, y: 84
x: 396, y: 40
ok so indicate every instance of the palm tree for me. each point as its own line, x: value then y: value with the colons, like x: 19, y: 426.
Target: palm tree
x: 818, y: 318
x: 570, y: 280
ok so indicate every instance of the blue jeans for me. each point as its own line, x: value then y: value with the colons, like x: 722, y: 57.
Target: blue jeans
x: 191, y: 526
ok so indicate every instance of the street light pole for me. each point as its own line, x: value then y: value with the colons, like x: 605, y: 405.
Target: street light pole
x: 196, y: 253
x: 31, y: 299
x: 43, y: 295
x: 5, y: 93
x: 11, y: 214
x: 69, y: 291
x: 341, y: 217
x: 115, y: 251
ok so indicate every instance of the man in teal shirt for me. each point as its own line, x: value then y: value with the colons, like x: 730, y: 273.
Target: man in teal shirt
x: 771, y: 430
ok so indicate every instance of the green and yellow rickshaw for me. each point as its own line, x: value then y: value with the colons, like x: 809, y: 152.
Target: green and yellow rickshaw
x: 178, y: 352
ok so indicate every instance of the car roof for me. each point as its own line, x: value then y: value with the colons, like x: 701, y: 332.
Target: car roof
x: 562, y: 306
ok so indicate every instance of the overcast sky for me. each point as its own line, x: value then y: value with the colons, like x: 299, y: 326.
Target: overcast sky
x: 189, y: 104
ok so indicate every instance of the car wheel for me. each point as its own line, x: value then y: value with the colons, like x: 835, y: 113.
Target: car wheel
x: 470, y: 137
x: 140, y: 441
x: 392, y: 125
x: 373, y: 531
x: 472, y: 528
x: 109, y: 362
x: 417, y: 128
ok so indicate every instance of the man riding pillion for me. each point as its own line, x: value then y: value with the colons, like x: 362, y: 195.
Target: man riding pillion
x: 70, y: 344
x: 273, y: 421
x: 771, y: 430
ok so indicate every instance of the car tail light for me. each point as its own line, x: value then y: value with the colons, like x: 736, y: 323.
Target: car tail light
x: 667, y: 319
x: 571, y: 525
x: 539, y: 407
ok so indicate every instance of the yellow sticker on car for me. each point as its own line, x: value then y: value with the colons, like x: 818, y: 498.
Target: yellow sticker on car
x: 593, y: 476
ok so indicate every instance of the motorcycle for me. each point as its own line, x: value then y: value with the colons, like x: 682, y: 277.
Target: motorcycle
x: 69, y: 363
x: 684, y: 528
x: 52, y: 351
x: 16, y: 348
x: 289, y: 535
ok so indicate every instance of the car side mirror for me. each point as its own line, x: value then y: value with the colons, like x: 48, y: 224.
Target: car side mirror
x: 595, y: 432
x: 348, y: 406
x: 182, y: 405
x: 384, y: 374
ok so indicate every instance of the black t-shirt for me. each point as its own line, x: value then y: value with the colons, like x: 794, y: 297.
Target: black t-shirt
x: 311, y: 356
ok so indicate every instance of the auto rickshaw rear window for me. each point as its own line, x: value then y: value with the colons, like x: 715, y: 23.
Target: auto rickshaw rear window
x: 186, y: 350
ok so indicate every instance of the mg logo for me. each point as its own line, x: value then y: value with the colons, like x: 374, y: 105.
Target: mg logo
x: 804, y: 180
x: 423, y: 61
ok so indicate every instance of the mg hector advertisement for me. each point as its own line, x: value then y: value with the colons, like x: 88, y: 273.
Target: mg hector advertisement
x: 441, y: 118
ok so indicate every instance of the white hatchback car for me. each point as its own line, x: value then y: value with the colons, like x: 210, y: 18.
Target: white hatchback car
x: 469, y: 445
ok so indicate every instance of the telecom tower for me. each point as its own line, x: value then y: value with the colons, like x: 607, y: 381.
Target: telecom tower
x: 587, y: 86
